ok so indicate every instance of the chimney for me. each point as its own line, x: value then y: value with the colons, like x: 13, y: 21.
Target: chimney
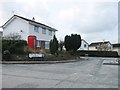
x: 33, y: 19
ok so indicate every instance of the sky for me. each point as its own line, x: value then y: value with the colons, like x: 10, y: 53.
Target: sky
x: 94, y: 20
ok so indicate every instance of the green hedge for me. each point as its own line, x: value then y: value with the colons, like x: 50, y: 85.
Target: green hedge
x: 14, y: 46
x: 97, y: 53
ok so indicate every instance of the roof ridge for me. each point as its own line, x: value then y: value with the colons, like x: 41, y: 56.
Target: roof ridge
x: 29, y: 20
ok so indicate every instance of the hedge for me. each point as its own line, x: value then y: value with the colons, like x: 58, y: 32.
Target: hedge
x: 14, y: 46
x: 97, y: 53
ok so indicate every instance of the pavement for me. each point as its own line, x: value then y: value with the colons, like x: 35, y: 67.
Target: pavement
x: 90, y: 72
x: 38, y: 62
x: 111, y: 61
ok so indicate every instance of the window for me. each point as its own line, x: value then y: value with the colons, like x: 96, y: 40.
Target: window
x: 84, y: 45
x: 50, y: 33
x: 38, y: 43
x: 36, y: 29
x: 43, y: 31
x: 46, y: 45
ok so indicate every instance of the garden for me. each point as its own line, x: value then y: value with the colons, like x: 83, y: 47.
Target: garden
x: 18, y: 50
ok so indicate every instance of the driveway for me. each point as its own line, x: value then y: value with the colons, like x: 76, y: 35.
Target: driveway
x: 86, y: 73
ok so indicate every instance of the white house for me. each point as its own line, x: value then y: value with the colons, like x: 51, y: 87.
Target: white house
x: 106, y: 45
x: 116, y: 47
x: 24, y: 27
x: 84, y: 45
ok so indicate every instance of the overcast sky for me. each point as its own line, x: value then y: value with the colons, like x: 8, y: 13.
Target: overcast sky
x: 94, y: 20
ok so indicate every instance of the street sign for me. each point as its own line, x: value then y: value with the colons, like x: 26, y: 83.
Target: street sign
x: 38, y: 55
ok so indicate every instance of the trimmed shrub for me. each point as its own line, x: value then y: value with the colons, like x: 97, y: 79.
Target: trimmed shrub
x: 73, y: 42
x: 14, y: 46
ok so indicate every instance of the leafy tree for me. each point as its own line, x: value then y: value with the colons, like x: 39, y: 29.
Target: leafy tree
x: 73, y: 42
x: 54, y: 45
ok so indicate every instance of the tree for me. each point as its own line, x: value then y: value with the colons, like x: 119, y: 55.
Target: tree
x: 13, y: 36
x: 54, y: 45
x: 73, y: 42
x: 67, y: 42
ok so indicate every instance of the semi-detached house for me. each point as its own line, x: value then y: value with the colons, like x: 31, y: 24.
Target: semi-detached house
x: 29, y: 29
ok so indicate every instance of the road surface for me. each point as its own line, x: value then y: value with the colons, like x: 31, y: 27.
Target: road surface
x: 86, y: 73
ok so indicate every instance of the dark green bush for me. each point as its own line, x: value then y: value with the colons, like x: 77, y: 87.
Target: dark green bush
x: 14, y: 46
x: 73, y: 42
x: 54, y: 45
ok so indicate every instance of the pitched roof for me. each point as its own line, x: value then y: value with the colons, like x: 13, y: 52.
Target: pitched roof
x: 84, y: 41
x: 29, y: 20
x: 97, y: 43
x: 116, y: 45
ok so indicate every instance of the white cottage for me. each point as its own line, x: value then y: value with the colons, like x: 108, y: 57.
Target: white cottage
x: 116, y: 47
x: 105, y: 46
x: 24, y: 28
x: 84, y: 45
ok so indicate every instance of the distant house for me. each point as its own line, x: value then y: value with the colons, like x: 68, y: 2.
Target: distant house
x: 84, y: 45
x: 104, y: 46
x: 37, y: 35
x: 116, y: 47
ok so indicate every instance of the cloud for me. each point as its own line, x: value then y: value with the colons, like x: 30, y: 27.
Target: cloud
x: 93, y: 20
x: 90, y: 17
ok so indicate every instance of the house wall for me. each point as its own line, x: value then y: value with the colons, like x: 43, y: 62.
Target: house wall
x: 83, y: 46
x: 92, y: 48
x: 15, y: 27
x: 39, y: 34
x: 110, y: 46
x: 115, y: 49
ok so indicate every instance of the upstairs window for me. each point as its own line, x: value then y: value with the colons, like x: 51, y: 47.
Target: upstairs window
x: 50, y: 33
x: 43, y: 31
x: 36, y: 29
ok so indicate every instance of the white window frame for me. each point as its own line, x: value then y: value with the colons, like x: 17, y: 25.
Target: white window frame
x: 50, y: 32
x: 38, y: 43
x: 47, y: 45
x: 36, y: 29
x: 43, y: 30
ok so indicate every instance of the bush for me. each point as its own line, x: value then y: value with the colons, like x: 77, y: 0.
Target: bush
x: 73, y: 42
x: 14, y: 46
x: 54, y: 45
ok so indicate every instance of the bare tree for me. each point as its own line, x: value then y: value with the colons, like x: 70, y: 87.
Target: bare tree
x: 103, y: 47
x: 13, y: 36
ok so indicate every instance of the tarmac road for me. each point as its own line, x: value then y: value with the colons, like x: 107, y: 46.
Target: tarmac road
x: 86, y: 73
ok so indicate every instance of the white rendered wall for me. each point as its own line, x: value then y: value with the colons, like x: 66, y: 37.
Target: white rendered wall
x: 15, y: 27
x: 39, y: 34
x: 110, y: 46
x: 82, y: 46
x: 115, y: 49
x: 92, y: 48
